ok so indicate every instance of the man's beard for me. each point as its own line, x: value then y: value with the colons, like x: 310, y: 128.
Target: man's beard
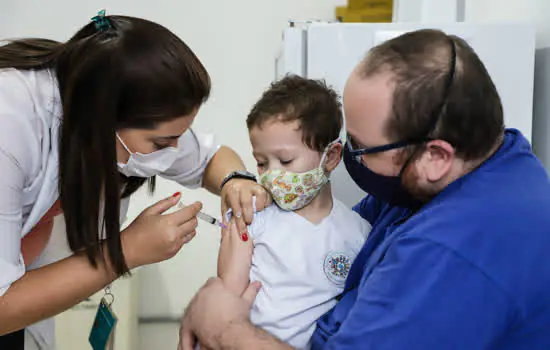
x: 410, y: 181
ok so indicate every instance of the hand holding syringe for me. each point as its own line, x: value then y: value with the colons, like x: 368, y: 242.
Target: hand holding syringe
x: 205, y: 217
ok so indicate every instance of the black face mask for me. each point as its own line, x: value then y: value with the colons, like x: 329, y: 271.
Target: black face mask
x: 386, y: 188
x: 390, y: 188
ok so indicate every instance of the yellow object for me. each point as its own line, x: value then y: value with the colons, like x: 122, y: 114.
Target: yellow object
x: 370, y: 15
x: 370, y: 4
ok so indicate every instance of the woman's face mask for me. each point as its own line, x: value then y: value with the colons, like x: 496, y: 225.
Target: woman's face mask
x: 153, y: 150
x: 147, y: 165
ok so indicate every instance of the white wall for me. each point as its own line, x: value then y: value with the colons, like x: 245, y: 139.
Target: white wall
x: 538, y: 12
x: 237, y: 41
x: 532, y: 11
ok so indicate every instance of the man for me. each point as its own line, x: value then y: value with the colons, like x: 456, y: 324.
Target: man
x: 460, y: 209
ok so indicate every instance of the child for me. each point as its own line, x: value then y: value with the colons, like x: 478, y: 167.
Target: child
x: 305, y: 244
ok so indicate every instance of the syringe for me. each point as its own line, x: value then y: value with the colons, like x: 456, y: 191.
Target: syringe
x: 209, y: 219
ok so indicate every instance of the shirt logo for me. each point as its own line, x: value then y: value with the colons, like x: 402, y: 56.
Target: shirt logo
x: 337, y: 267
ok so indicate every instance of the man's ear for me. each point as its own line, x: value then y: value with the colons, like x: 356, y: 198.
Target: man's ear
x: 437, y: 160
x: 333, y: 157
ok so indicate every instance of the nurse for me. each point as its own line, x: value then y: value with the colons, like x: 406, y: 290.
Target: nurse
x: 84, y: 124
x: 460, y: 211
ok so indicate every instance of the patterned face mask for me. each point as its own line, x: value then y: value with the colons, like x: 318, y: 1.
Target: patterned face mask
x: 293, y: 191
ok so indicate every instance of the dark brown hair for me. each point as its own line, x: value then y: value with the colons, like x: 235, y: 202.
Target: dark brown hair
x: 470, y: 117
x: 134, y: 74
x: 315, y: 105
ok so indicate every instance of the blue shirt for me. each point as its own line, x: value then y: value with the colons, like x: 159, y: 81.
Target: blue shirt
x: 469, y: 270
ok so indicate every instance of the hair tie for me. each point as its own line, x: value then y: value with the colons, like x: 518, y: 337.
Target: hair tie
x: 101, y: 22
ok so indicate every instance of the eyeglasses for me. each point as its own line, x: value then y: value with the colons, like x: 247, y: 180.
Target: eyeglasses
x: 358, y: 152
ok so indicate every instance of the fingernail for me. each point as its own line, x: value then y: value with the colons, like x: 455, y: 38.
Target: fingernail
x: 238, y: 214
x: 176, y: 194
x: 244, y: 236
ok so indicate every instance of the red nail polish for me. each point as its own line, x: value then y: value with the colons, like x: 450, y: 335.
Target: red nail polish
x: 244, y: 236
x: 176, y: 194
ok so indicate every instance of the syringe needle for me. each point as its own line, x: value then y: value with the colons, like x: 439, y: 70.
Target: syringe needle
x: 210, y: 219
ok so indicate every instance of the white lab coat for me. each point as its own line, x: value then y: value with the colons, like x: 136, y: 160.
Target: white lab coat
x: 30, y: 117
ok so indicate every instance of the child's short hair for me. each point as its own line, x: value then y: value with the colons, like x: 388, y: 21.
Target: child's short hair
x: 315, y: 105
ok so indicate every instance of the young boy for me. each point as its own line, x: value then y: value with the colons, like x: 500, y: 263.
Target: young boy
x: 305, y: 244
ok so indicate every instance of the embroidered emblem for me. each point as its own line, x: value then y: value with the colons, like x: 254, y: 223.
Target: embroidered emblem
x: 337, y: 267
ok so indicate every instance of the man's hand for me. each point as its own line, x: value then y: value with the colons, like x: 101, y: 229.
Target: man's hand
x: 213, y: 312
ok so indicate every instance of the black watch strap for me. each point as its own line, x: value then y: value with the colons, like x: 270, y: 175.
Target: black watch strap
x: 239, y: 174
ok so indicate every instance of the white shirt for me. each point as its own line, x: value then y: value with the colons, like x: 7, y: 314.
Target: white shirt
x: 30, y: 116
x: 302, y: 267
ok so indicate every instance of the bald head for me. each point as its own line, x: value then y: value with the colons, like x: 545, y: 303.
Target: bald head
x: 425, y: 51
x: 440, y: 89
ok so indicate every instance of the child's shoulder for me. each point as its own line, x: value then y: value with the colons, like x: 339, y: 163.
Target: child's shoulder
x: 341, y: 210
x: 346, y: 217
x: 268, y: 213
x: 263, y: 219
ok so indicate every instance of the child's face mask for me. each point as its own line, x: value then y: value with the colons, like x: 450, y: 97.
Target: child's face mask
x: 293, y: 191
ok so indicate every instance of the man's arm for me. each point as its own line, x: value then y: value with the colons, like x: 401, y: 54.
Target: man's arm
x: 220, y: 319
x: 424, y: 296
x: 247, y: 336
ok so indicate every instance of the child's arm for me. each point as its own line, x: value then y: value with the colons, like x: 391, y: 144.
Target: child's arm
x: 235, y: 259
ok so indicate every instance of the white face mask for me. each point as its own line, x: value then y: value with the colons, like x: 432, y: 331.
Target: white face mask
x: 147, y: 165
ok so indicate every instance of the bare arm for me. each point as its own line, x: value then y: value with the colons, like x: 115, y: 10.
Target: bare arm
x: 52, y: 289
x: 234, y: 260
x: 222, y: 163
x: 246, y: 336
x: 220, y: 319
x: 219, y: 315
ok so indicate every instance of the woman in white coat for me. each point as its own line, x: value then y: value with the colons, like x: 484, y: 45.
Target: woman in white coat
x: 84, y: 124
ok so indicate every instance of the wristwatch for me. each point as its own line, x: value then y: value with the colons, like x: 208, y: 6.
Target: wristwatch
x: 238, y: 174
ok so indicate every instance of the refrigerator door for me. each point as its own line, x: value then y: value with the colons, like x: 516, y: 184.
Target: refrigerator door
x: 292, y: 56
x: 507, y: 50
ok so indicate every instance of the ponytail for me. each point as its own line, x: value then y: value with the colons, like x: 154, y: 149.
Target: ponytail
x: 29, y: 53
